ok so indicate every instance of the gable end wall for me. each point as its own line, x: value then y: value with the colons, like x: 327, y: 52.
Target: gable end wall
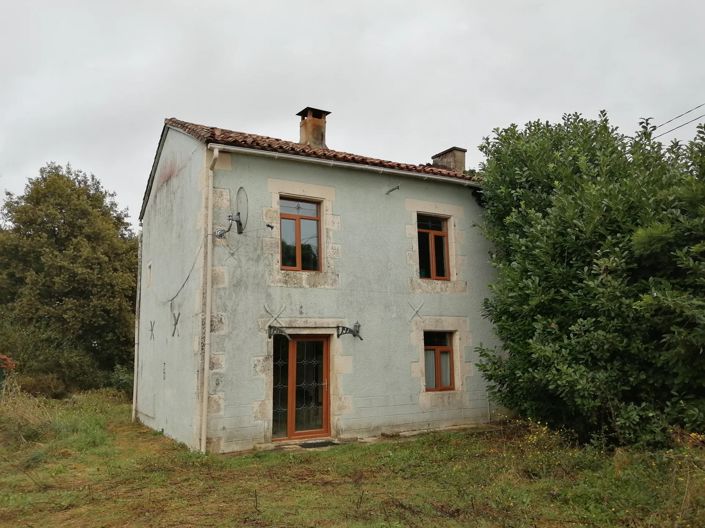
x: 169, y: 354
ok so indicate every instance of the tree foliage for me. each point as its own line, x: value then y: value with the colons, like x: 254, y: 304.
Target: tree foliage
x: 600, y: 293
x: 67, y: 278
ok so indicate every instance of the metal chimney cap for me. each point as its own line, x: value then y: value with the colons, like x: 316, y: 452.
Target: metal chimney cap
x: 314, y: 112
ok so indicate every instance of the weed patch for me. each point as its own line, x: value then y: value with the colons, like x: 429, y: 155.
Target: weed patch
x: 89, y: 466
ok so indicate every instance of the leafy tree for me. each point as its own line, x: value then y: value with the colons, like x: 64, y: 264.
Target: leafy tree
x: 67, y: 277
x: 600, y: 294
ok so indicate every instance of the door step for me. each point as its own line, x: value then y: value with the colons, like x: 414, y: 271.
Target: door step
x: 318, y: 443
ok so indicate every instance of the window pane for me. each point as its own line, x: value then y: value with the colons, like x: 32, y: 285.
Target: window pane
x: 430, y: 367
x: 445, y: 369
x: 281, y: 386
x: 440, y: 254
x: 310, y: 385
x: 424, y: 256
x: 308, y: 209
x: 288, y: 234
x: 309, y: 244
x: 298, y: 207
x: 288, y: 206
x: 430, y: 222
x: 436, y: 339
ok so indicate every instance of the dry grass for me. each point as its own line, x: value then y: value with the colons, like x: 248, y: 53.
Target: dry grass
x: 24, y: 418
x: 90, y: 466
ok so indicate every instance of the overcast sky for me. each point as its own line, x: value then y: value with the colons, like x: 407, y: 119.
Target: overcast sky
x: 90, y: 82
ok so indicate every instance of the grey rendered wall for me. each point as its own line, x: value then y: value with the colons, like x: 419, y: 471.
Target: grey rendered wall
x: 370, y: 275
x: 169, y: 355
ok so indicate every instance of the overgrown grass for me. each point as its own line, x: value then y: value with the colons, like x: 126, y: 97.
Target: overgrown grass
x: 80, y: 462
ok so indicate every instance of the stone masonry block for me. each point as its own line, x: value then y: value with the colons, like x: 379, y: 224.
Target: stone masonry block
x: 221, y: 199
x: 215, y: 404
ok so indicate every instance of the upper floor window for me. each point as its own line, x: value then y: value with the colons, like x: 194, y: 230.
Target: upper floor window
x: 438, y: 360
x: 300, y: 234
x: 433, y: 247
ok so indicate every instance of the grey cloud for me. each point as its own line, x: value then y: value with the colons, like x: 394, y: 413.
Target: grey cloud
x: 91, y: 82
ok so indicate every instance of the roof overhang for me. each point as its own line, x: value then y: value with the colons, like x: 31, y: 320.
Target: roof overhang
x: 150, y: 181
x: 425, y: 176
x: 355, y: 166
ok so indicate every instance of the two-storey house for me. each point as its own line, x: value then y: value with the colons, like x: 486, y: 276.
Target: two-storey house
x: 288, y: 291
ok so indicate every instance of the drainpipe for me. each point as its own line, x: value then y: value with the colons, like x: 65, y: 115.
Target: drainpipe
x: 138, y: 296
x: 207, y: 307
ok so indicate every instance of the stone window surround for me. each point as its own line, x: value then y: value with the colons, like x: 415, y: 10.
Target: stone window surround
x: 461, y: 338
x: 456, y: 260
x: 329, y: 223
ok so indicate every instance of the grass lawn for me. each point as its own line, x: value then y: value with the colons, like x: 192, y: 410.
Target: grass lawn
x: 80, y: 462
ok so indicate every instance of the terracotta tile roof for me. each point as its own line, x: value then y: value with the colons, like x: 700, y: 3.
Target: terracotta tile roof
x: 256, y: 142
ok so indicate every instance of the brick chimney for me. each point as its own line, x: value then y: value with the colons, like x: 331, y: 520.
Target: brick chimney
x: 451, y: 159
x: 312, y: 130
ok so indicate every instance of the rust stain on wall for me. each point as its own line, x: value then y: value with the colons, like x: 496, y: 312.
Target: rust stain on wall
x: 167, y: 170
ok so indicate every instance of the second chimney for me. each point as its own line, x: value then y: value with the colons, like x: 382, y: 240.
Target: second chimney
x: 451, y: 159
x: 312, y: 130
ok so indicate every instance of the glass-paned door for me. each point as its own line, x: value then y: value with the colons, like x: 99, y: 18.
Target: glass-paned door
x: 300, y: 387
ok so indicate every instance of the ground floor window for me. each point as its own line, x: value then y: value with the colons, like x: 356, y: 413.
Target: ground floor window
x: 438, y: 360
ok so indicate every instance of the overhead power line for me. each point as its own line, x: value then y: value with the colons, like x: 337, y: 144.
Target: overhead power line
x: 680, y: 115
x: 679, y: 126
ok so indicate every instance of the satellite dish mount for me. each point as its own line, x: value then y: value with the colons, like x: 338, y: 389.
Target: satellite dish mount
x: 240, y: 216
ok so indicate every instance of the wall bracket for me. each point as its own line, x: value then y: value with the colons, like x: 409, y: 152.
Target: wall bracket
x: 354, y: 331
x: 277, y: 330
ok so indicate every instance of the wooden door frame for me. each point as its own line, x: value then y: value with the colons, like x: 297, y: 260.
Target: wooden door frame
x: 291, y: 434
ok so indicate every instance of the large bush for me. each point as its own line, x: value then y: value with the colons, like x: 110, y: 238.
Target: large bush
x: 67, y: 280
x: 600, y: 294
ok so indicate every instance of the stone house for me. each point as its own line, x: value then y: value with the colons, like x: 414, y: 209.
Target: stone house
x: 288, y: 291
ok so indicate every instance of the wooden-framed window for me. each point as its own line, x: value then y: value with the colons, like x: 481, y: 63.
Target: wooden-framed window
x: 300, y: 234
x: 433, y: 247
x: 438, y: 361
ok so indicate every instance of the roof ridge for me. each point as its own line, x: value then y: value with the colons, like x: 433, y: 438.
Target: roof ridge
x: 267, y: 143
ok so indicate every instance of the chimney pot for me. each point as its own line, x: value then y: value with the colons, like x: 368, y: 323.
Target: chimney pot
x: 452, y: 158
x: 312, y: 129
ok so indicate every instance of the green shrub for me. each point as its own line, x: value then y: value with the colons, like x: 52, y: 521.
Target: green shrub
x: 600, y: 294
x: 47, y: 385
x: 122, y: 379
x: 47, y: 362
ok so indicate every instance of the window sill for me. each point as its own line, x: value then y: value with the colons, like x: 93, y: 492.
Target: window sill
x: 443, y: 399
x: 303, y: 279
x: 419, y: 285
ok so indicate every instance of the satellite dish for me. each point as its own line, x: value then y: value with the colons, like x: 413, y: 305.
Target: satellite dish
x: 241, y: 210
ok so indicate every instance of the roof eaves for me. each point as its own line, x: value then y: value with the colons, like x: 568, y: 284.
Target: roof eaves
x: 152, y: 172
x: 269, y: 144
